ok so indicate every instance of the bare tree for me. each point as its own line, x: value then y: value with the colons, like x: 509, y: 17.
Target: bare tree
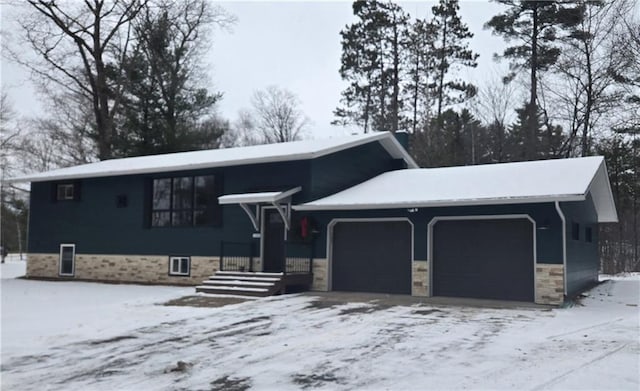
x: 582, y: 93
x: 277, y: 115
x: 9, y: 133
x: 242, y: 132
x: 77, y: 44
x: 62, y: 138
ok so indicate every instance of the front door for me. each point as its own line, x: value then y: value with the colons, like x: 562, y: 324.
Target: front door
x: 273, y: 245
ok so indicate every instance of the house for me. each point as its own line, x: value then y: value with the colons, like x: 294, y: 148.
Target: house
x: 349, y: 214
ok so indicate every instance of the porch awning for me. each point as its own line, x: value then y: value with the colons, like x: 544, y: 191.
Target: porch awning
x: 281, y: 200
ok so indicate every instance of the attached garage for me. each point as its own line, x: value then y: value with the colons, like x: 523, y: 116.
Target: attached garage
x: 372, y: 256
x: 483, y: 258
x: 524, y: 231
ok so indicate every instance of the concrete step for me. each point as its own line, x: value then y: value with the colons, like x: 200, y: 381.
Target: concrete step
x: 242, y: 283
x: 249, y: 274
x: 244, y: 278
x: 244, y: 291
x: 234, y: 282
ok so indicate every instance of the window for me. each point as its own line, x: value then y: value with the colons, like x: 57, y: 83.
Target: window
x: 65, y: 192
x: 588, y: 235
x: 575, y: 231
x: 179, y: 266
x: 67, y: 259
x: 183, y: 201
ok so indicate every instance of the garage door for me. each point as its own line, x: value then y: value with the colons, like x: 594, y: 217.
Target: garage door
x: 490, y: 259
x: 372, y: 257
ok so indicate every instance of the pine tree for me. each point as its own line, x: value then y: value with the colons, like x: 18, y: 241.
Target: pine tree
x: 420, y: 61
x: 534, y: 26
x: 451, y: 50
x: 164, y: 109
x: 371, y: 63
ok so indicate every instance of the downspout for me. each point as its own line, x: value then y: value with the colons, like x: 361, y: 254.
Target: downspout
x: 564, y: 246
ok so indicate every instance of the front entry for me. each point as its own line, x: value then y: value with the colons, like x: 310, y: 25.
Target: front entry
x: 273, y: 241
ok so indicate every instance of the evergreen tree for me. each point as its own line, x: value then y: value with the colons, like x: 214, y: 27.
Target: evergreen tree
x: 619, y: 243
x: 371, y: 63
x: 534, y: 26
x: 547, y: 138
x: 164, y: 110
x: 420, y: 61
x: 456, y: 139
x: 451, y: 49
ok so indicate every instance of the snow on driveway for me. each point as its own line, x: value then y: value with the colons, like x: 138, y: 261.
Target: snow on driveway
x: 105, y: 337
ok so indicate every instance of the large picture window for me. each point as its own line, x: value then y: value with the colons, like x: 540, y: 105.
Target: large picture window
x: 183, y: 201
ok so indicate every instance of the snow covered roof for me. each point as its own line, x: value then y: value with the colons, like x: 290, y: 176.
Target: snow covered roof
x: 257, y: 198
x: 295, y: 150
x: 490, y: 184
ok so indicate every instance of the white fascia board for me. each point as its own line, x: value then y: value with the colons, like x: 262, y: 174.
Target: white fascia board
x: 248, y: 198
x: 600, y: 190
x: 397, y: 151
x: 256, y: 198
x: 155, y: 170
x: 446, y: 203
x: 386, y: 139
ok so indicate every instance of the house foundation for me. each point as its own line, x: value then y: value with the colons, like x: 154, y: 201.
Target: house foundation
x: 146, y: 269
x: 549, y: 284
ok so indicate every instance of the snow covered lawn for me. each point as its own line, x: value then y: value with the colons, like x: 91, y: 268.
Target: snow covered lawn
x: 72, y: 335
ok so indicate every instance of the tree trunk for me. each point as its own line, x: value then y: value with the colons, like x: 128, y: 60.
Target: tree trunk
x: 530, y: 138
x: 587, y: 115
x: 416, y: 87
x: 441, y: 71
x: 396, y: 78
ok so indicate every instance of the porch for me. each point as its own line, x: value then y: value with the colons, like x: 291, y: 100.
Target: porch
x: 242, y: 272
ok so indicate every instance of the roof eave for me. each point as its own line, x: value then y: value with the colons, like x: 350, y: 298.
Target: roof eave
x: 386, y: 139
x: 447, y: 203
x: 602, y: 196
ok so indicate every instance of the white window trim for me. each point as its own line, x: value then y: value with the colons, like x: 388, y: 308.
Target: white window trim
x: 73, y: 260
x: 179, y: 260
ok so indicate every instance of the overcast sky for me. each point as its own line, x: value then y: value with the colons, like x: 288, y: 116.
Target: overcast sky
x: 294, y: 45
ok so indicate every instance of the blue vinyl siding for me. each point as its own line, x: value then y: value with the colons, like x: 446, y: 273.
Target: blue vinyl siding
x: 97, y: 226
x: 583, y: 262
x: 344, y: 169
x: 548, y: 232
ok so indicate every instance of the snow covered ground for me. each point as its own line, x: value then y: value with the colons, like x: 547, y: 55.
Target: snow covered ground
x: 72, y: 335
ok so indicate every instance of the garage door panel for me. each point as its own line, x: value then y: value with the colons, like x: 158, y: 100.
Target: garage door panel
x: 372, y: 257
x: 490, y: 259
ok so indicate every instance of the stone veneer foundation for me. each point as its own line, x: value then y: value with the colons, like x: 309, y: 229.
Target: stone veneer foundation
x: 420, y: 278
x: 320, y: 275
x: 154, y: 269
x: 549, y: 284
x: 150, y: 269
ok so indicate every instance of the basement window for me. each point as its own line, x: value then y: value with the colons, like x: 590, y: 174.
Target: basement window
x: 67, y: 260
x: 179, y: 266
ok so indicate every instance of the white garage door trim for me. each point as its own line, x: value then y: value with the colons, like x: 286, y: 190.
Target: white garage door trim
x: 435, y: 219
x: 333, y: 222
